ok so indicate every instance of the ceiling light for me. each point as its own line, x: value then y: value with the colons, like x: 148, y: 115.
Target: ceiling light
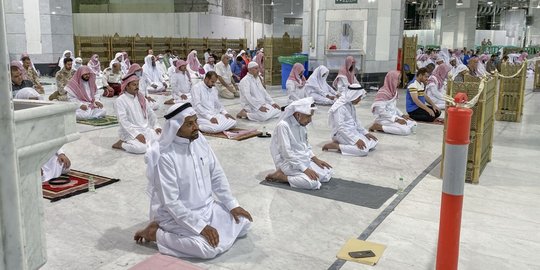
x: 413, y: 2
x: 459, y: 3
x: 490, y: 3
x: 538, y: 6
x: 514, y: 7
x: 272, y: 3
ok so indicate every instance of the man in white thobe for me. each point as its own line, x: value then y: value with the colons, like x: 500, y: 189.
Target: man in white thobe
x: 138, y: 122
x: 180, y: 83
x: 257, y: 105
x: 152, y: 80
x: 294, y: 160
x: 226, y: 86
x: 212, y: 116
x: 192, y: 212
x: 348, y: 135
x: 57, y: 165
x: 82, y: 89
x: 210, y: 64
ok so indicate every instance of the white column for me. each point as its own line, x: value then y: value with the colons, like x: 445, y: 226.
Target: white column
x: 11, y: 249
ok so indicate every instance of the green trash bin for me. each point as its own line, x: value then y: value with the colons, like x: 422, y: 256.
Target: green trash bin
x: 286, y: 66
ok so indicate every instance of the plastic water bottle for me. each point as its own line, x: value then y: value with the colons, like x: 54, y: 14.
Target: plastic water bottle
x: 413, y: 129
x: 264, y: 133
x: 401, y: 185
x: 91, y: 184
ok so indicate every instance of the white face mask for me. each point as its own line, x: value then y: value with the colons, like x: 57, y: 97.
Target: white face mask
x: 138, y: 73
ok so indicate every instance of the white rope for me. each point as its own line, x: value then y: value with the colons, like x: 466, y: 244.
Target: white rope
x: 469, y: 104
x: 512, y: 76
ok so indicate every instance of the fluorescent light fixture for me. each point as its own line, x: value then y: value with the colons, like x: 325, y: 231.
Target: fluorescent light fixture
x: 413, y: 2
x: 514, y: 7
x: 459, y: 3
x: 490, y: 2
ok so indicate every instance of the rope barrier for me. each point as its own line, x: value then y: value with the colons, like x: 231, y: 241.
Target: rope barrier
x: 481, y: 86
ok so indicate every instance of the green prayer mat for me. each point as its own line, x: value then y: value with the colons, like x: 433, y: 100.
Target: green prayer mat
x: 105, y: 121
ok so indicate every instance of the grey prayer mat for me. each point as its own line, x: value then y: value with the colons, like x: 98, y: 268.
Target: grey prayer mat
x: 365, y: 195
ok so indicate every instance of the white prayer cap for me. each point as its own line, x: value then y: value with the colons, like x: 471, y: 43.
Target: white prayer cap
x: 304, y: 106
x: 78, y: 60
x: 452, y: 58
x: 262, y: 49
x: 252, y: 64
x: 242, y: 51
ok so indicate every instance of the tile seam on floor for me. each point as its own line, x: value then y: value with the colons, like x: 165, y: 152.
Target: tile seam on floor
x: 389, y: 209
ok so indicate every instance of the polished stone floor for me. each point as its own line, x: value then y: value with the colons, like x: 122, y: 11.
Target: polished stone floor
x: 291, y: 230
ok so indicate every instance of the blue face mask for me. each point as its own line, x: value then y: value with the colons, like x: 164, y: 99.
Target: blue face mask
x: 138, y: 73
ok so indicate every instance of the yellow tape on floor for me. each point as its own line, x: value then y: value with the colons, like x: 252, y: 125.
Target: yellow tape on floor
x: 359, y: 245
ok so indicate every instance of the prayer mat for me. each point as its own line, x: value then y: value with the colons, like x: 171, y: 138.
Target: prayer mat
x: 360, y: 194
x: 78, y: 184
x: 164, y: 93
x: 237, y: 134
x: 105, y: 121
x: 164, y: 262
x: 358, y: 245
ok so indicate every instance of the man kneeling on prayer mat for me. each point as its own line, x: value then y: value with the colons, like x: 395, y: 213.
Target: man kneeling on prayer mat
x: 82, y: 89
x: 348, y: 135
x: 185, y: 179
x: 257, y: 105
x: 57, y: 165
x: 212, y: 116
x: 294, y: 160
x: 138, y: 122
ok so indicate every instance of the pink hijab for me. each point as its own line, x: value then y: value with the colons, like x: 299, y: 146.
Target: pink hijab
x: 132, y: 69
x: 296, y: 69
x: 133, y: 77
x: 192, y: 61
x: 439, y: 74
x: 344, y: 71
x: 180, y: 63
x: 19, y: 66
x: 76, y: 85
x: 94, y: 64
x: 389, y: 90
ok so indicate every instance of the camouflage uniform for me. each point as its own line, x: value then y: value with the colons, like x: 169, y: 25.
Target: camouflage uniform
x: 62, y: 78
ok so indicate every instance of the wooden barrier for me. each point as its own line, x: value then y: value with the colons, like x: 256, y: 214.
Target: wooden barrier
x: 511, y: 93
x: 409, y: 58
x: 107, y: 46
x: 536, y: 86
x: 273, y: 48
x: 481, y: 132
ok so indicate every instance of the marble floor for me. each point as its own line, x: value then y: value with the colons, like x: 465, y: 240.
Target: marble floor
x: 291, y: 230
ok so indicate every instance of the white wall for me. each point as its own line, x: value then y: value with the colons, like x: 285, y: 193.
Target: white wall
x: 193, y: 25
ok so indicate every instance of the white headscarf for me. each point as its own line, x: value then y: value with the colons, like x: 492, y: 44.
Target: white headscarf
x: 455, y: 71
x: 153, y: 153
x: 302, y: 106
x: 317, y: 81
x: 152, y: 72
x: 355, y: 91
x: 61, y: 61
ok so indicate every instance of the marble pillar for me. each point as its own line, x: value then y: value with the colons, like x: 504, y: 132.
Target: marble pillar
x: 458, y: 24
x: 11, y: 237
x: 376, y: 28
x: 42, y: 28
